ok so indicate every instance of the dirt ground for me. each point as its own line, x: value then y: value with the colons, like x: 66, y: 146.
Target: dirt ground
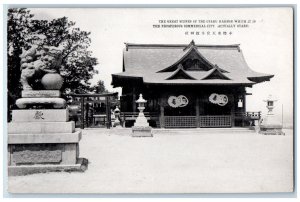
x: 189, y: 163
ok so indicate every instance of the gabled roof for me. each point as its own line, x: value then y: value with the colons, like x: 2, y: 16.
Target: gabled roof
x: 158, y: 64
x: 180, y: 74
x: 191, y: 52
x: 215, y: 74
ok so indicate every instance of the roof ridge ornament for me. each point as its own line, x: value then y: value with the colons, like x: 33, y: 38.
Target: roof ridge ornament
x: 180, y: 66
x: 191, y: 44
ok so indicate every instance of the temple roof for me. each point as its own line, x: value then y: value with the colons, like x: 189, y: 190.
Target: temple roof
x: 186, y: 64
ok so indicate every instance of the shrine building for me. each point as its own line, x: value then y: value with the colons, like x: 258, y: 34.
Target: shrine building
x: 187, y: 86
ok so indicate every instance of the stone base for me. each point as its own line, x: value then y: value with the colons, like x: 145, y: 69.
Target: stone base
x: 41, y: 127
x: 57, y: 103
x: 35, y: 154
x: 44, y: 148
x: 40, y: 115
x: 45, y: 138
x: 271, y: 130
x: 142, y: 131
x: 141, y: 121
x: 80, y: 166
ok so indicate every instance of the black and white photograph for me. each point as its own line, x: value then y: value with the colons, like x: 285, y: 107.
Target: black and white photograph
x: 149, y: 100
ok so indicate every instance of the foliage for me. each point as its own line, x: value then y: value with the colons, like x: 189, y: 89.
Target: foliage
x: 18, y: 25
x: 99, y: 88
x: 23, y: 31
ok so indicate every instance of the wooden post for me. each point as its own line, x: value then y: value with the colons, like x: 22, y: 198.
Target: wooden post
x: 82, y: 113
x: 162, y: 116
x: 244, y: 107
x: 108, y: 118
x: 133, y: 100
x: 197, y: 113
x: 161, y: 112
x: 244, y: 103
x: 232, y: 111
x: 201, y: 107
x: 124, y: 119
x: 87, y: 108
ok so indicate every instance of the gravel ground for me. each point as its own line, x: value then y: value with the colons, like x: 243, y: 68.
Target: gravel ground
x: 189, y: 163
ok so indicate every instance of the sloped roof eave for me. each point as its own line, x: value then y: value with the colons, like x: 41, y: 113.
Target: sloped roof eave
x: 203, y: 84
x: 117, y: 77
x: 143, y: 62
x: 259, y: 79
x: 214, y: 70
x: 179, y: 69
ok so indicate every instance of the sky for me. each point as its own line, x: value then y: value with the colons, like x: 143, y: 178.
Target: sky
x: 267, y: 44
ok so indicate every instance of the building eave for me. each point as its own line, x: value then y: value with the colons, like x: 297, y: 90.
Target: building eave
x: 260, y: 79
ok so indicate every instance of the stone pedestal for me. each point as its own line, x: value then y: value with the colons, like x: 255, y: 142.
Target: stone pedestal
x: 42, y: 140
x: 141, y: 127
x: 142, y: 131
x: 41, y: 98
x: 141, y: 120
x: 270, y: 126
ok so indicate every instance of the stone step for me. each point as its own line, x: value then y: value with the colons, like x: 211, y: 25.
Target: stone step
x: 40, y: 115
x: 40, y: 138
x: 41, y: 127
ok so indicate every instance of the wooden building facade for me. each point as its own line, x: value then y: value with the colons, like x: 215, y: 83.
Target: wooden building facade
x: 187, y: 86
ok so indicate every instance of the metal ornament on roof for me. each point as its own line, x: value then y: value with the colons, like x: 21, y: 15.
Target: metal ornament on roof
x: 218, y: 99
x: 180, y: 101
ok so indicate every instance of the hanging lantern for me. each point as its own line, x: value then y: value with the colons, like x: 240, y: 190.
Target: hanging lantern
x: 240, y: 103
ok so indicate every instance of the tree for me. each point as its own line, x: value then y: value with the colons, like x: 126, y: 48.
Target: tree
x: 18, y: 25
x: 99, y: 88
x: 24, y: 31
x: 78, y: 63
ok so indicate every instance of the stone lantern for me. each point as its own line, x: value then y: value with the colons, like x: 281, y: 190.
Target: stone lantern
x: 141, y: 119
x: 117, y: 118
x: 269, y: 125
x: 141, y: 126
x: 270, y: 104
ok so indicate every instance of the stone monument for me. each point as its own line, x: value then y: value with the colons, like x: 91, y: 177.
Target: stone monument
x: 269, y: 125
x: 141, y: 126
x: 40, y: 136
